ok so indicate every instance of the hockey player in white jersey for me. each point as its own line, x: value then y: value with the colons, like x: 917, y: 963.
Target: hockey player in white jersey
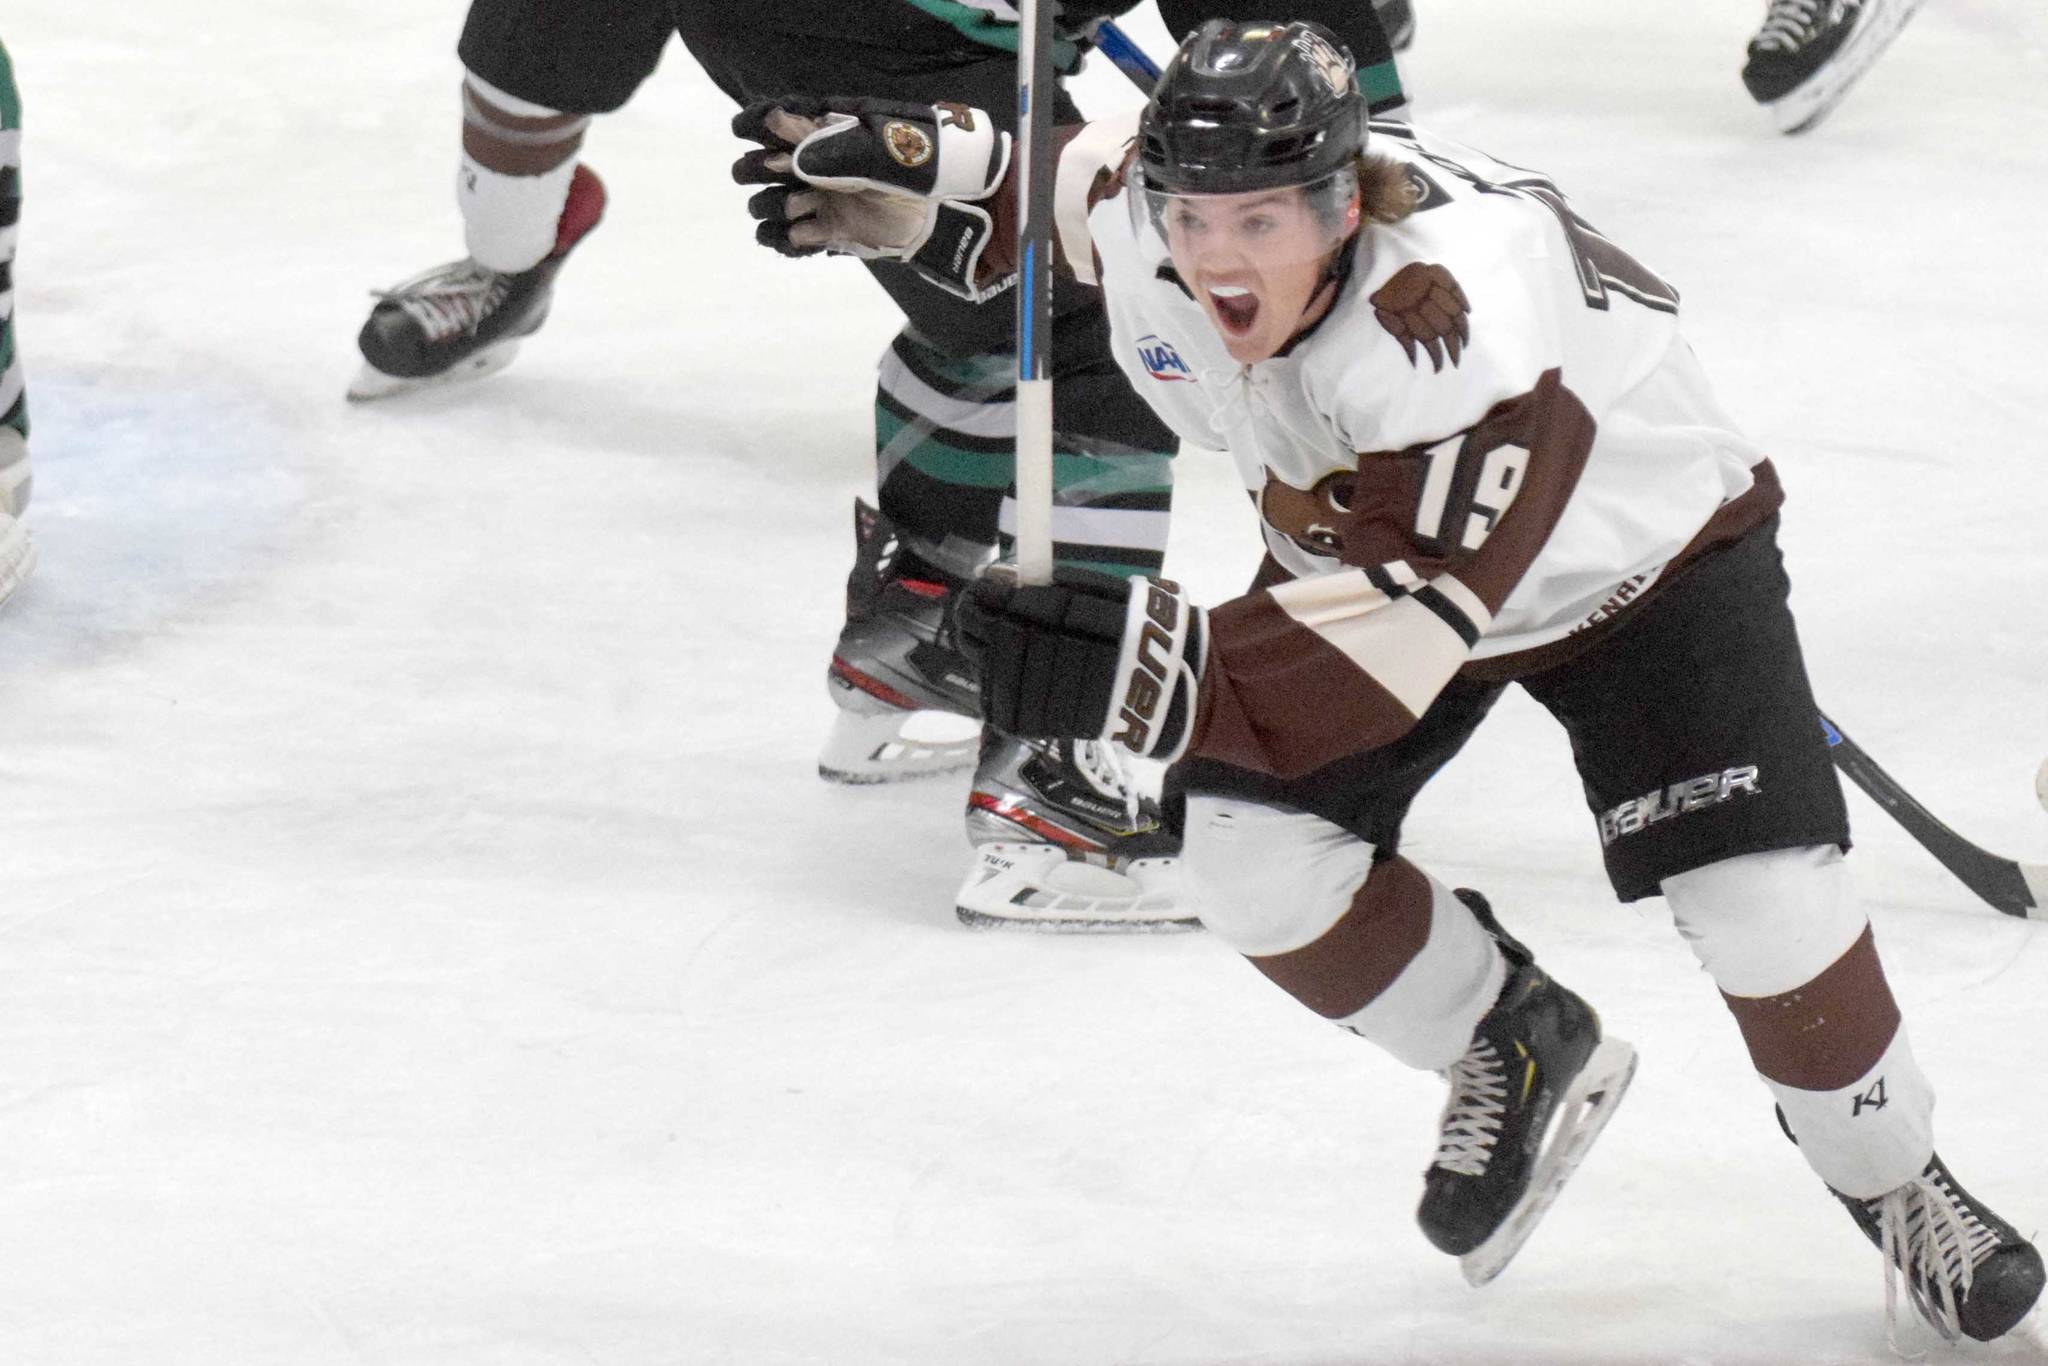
x: 1060, y: 838
x: 1481, y: 452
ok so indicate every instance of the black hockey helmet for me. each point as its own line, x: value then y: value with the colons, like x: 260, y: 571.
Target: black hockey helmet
x: 1251, y: 106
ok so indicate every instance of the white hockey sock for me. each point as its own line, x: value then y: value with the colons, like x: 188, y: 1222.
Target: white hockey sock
x: 1379, y: 947
x: 517, y: 161
x: 509, y: 221
x: 1871, y: 1136
x: 1785, y: 940
x: 1426, y: 1016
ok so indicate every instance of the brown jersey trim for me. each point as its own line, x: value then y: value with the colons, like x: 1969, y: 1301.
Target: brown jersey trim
x: 1732, y: 521
x: 1277, y: 697
x: 1303, y: 674
x: 1827, y: 1034
x: 1556, y: 429
x: 1379, y: 934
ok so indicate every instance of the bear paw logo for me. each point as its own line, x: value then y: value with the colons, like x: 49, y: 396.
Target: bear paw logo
x: 1423, y: 308
x: 908, y: 144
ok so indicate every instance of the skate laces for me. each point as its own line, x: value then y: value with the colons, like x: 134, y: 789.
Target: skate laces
x: 1791, y: 23
x: 1932, y: 1234
x: 1474, y: 1113
x: 1102, y: 765
x: 451, y: 298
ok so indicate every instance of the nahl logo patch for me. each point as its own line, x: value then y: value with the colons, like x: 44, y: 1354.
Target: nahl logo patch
x: 1161, y: 360
x: 908, y: 144
x: 1694, y: 794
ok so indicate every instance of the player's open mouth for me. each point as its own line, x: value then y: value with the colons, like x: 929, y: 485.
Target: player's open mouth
x: 1237, y: 308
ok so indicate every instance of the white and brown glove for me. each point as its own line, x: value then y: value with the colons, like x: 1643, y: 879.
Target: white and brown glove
x: 878, y: 179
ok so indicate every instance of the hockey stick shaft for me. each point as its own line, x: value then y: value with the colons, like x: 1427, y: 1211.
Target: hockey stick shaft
x: 1034, y: 152
x: 1113, y: 43
x: 2019, y: 889
x: 1036, y: 94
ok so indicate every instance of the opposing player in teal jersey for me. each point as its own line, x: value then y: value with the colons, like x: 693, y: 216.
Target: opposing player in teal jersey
x: 17, y: 555
x: 1060, y: 839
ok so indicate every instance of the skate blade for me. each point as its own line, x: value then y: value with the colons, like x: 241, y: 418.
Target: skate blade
x: 1801, y: 110
x: 1037, y: 887
x: 371, y: 384
x: 17, y: 556
x: 889, y: 747
x: 1589, y: 1103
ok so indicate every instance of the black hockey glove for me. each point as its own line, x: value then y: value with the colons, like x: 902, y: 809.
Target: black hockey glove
x: 1086, y: 657
x: 877, y: 179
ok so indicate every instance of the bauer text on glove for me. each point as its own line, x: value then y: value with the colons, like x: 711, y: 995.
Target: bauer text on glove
x: 1087, y: 656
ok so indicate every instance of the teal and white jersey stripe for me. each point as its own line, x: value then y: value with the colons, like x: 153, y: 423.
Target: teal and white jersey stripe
x: 993, y: 23
x: 17, y: 553
x: 945, y: 448
x: 13, y: 401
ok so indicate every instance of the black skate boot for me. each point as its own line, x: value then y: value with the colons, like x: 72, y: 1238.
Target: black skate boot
x: 463, y: 321
x: 1809, y: 52
x: 1968, y: 1272
x: 895, y: 664
x: 1527, y: 1100
x: 17, y: 551
x: 1064, y: 842
x: 1397, y: 18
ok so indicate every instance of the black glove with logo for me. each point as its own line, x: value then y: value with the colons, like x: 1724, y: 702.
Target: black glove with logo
x: 1086, y: 657
x: 877, y: 179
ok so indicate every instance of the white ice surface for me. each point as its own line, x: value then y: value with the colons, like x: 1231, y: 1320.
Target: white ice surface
x: 423, y: 941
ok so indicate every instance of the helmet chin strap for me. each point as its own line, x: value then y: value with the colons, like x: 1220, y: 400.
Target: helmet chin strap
x: 1336, y: 269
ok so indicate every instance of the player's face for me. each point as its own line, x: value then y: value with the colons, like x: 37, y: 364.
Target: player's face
x: 1254, y: 262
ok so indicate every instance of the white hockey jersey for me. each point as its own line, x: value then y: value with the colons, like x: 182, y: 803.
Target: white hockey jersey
x: 1496, y: 438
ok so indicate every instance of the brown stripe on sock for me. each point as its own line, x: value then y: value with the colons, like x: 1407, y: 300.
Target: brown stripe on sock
x: 515, y: 144
x: 1828, y: 1033
x: 1357, y: 958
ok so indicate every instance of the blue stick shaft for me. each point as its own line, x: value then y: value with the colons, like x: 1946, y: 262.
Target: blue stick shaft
x: 1113, y: 43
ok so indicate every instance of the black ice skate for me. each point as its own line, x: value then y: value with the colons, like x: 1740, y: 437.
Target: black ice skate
x: 17, y: 551
x: 462, y: 321
x: 1063, y: 842
x: 1397, y: 18
x: 1809, y: 52
x: 1968, y: 1272
x: 1527, y: 1100
x: 895, y: 665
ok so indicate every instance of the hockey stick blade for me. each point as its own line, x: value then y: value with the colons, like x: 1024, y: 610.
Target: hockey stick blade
x: 2019, y: 889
